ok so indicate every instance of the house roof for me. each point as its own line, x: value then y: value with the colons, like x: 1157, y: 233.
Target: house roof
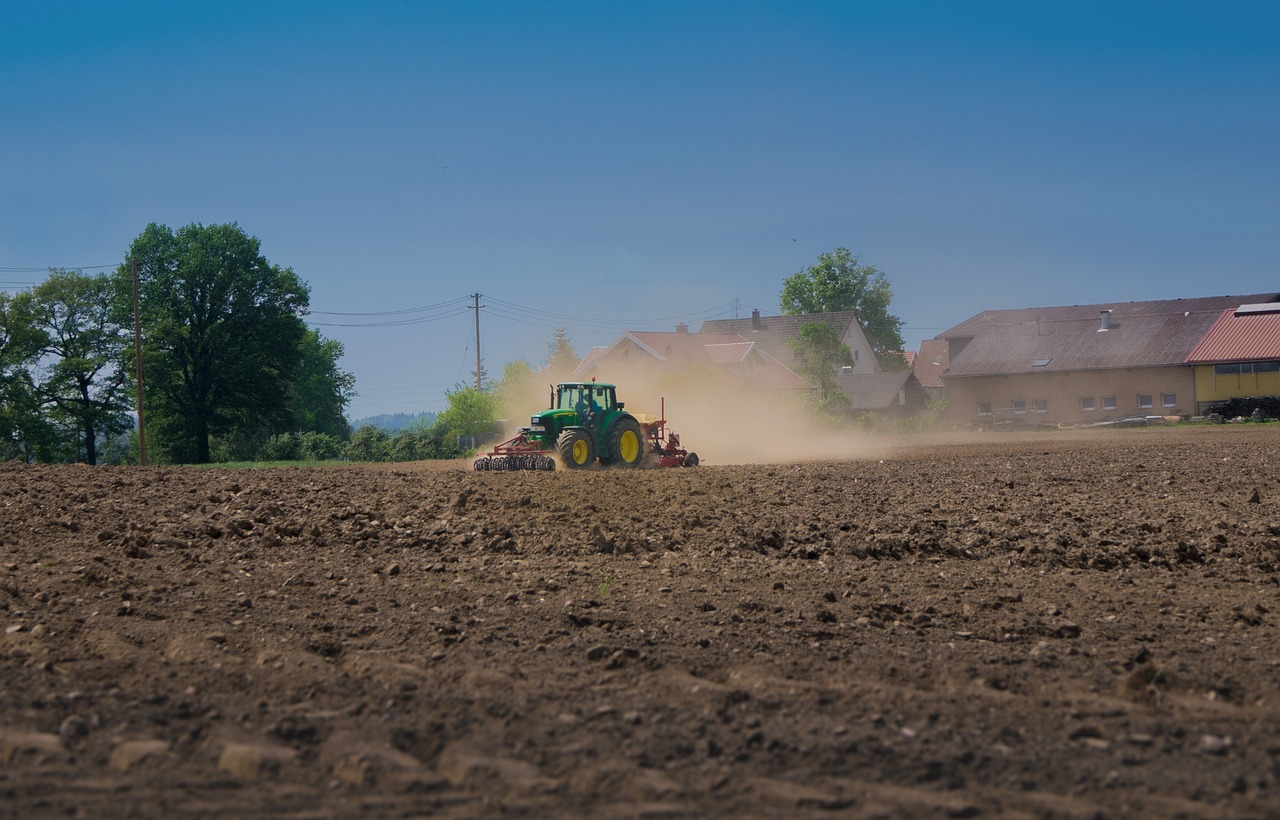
x: 772, y: 333
x: 1056, y: 339
x: 934, y: 358
x: 874, y: 391
x: 1242, y: 334
x: 680, y: 349
x: 667, y: 345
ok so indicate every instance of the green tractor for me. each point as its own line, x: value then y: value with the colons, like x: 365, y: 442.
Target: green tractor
x: 585, y: 423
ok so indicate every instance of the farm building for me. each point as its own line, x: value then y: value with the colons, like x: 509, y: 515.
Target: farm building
x: 1239, y: 357
x: 1080, y: 363
x: 659, y: 355
x: 773, y: 335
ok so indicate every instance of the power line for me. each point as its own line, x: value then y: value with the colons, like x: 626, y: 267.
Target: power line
x: 48, y: 268
x: 423, y: 309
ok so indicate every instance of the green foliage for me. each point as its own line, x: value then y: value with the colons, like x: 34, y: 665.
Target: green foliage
x: 470, y: 412
x: 819, y: 353
x: 840, y: 282
x: 320, y: 390
x: 306, y: 446
x: 369, y: 443
x: 414, y: 443
x: 25, y: 432
x: 521, y: 392
x: 222, y: 333
x: 83, y: 378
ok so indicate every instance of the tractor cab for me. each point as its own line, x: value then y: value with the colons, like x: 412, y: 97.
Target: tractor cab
x: 589, y: 400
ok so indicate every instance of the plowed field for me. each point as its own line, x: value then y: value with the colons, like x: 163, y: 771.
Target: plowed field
x: 1059, y: 626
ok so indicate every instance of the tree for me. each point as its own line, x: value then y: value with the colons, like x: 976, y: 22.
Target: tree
x: 520, y: 392
x: 471, y: 412
x: 82, y: 378
x: 840, y: 282
x: 25, y: 432
x: 819, y: 352
x: 222, y: 328
x: 562, y: 359
x: 321, y: 390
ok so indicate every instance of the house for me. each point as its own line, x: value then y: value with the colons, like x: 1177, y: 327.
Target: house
x: 929, y: 364
x: 1239, y: 357
x: 1080, y: 363
x: 658, y: 354
x: 888, y: 394
x: 773, y: 334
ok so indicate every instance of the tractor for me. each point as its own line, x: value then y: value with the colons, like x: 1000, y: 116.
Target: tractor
x: 585, y: 424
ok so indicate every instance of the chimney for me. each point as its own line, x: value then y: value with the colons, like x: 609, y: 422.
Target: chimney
x: 682, y: 328
x: 1104, y: 321
x: 755, y: 320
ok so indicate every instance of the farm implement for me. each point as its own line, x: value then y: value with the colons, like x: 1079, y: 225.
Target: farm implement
x: 586, y: 424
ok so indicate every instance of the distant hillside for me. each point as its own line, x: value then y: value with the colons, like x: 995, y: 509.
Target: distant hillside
x: 394, y: 422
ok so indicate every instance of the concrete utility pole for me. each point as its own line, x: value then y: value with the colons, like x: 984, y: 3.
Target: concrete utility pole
x: 476, y: 297
x: 137, y: 361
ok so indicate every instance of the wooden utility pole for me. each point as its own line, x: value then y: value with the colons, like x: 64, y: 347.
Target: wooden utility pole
x: 477, y: 307
x: 137, y: 361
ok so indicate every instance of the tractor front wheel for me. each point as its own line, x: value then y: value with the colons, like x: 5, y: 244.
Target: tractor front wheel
x: 576, y: 448
x: 626, y: 444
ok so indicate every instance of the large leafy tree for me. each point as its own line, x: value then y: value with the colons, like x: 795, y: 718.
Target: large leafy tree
x: 840, y: 282
x: 819, y: 352
x: 25, y: 431
x: 81, y: 377
x: 222, y: 328
x: 322, y: 390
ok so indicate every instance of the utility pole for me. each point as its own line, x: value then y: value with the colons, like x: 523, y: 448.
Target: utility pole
x: 476, y: 298
x: 137, y: 361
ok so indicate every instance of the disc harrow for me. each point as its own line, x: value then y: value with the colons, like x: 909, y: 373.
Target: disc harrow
x: 520, y: 452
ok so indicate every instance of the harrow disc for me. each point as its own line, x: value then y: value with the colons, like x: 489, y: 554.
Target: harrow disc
x: 517, y: 463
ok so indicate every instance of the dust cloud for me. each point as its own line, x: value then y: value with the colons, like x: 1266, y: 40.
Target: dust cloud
x: 726, y: 424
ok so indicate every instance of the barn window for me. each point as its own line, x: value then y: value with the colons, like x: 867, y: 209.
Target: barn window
x: 1087, y: 404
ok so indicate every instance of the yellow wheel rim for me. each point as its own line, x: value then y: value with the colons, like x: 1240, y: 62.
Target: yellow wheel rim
x: 629, y: 447
x: 579, y: 451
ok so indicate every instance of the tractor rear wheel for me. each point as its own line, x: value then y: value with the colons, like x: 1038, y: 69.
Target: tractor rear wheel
x: 691, y: 460
x: 626, y: 444
x: 576, y: 448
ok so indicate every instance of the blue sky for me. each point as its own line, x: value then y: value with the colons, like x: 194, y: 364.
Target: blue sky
x: 607, y: 166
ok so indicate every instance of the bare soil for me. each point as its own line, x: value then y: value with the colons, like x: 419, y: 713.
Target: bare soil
x: 1053, y: 626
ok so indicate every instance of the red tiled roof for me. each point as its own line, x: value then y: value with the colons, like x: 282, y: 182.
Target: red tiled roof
x: 933, y: 359
x: 1239, y: 337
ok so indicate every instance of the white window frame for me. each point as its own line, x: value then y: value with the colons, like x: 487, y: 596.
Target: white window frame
x: 1040, y: 406
x: 1018, y: 407
x: 1168, y: 399
x: 1148, y: 404
x: 1088, y: 404
x: 1109, y: 403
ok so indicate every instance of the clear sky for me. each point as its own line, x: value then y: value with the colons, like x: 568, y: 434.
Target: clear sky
x: 627, y: 165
